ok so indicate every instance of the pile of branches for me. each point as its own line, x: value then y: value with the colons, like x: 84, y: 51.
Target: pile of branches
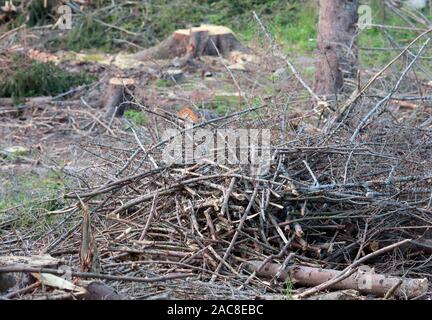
x: 326, y: 202
x: 345, y: 204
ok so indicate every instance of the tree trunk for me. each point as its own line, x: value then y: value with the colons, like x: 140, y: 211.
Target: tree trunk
x: 337, y: 46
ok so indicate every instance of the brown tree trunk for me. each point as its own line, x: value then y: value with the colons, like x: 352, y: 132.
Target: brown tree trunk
x: 337, y: 46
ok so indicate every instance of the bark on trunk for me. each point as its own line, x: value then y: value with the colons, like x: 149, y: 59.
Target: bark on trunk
x: 117, y: 93
x: 337, y: 46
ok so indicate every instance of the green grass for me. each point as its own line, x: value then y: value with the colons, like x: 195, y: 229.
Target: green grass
x: 137, y: 117
x: 293, y: 23
x: 164, y: 83
x: 89, y: 34
x: 288, y: 290
x: 13, y: 153
x: 31, y: 196
x: 297, y: 32
x: 295, y: 28
x: 104, y: 27
x: 38, y: 14
x: 92, y: 57
x: 225, y: 104
x: 373, y: 37
x: 221, y: 107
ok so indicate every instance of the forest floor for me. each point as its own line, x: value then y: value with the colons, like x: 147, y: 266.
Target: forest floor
x: 46, y: 139
x: 47, y: 143
x: 335, y: 198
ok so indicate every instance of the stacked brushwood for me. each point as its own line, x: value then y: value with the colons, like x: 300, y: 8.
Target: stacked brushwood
x: 346, y: 204
x: 330, y: 211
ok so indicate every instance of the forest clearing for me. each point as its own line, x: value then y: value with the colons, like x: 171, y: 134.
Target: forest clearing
x: 247, y: 150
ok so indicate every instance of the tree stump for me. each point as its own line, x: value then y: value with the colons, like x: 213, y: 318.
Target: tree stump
x: 117, y: 95
x: 190, y: 43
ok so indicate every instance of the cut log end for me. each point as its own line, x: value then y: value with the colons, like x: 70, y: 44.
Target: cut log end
x: 122, y: 81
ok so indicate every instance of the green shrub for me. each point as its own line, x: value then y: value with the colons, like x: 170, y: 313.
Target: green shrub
x: 39, y: 79
x: 289, y: 288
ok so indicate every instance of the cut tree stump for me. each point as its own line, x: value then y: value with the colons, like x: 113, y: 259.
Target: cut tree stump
x: 191, y: 43
x: 117, y: 94
x: 366, y: 283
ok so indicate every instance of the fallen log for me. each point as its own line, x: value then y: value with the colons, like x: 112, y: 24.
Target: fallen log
x: 26, y: 100
x: 364, y: 282
x: 335, y: 295
x: 30, y: 261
